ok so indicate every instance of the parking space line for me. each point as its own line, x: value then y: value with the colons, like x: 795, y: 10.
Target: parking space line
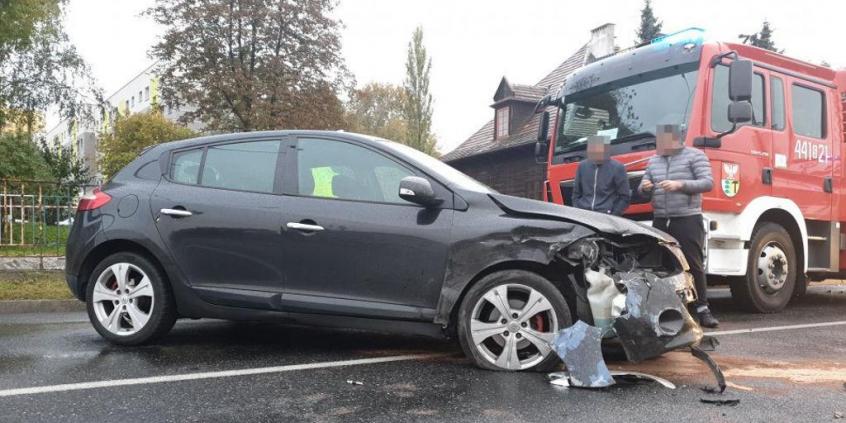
x: 776, y: 328
x: 210, y: 375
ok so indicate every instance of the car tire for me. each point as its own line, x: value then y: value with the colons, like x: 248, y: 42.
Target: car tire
x: 129, y: 301
x: 486, y: 335
x: 768, y: 285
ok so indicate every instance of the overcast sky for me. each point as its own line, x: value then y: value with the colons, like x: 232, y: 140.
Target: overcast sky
x: 473, y: 44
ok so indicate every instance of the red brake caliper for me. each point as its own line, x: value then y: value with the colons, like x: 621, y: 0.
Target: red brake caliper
x: 537, y: 321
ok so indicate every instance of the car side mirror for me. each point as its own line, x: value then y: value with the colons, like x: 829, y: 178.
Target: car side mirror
x: 740, y: 112
x: 740, y: 80
x: 418, y: 190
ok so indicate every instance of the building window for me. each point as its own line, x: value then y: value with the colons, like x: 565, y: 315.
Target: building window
x: 140, y: 96
x: 127, y: 105
x: 502, y: 119
x: 133, y: 101
x: 147, y: 93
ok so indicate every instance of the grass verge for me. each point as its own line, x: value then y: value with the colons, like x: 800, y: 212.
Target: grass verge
x: 33, y: 285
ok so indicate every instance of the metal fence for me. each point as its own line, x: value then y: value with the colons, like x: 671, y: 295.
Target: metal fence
x: 36, y: 216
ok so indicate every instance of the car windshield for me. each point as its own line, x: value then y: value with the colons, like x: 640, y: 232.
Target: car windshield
x: 450, y: 175
x: 627, y: 109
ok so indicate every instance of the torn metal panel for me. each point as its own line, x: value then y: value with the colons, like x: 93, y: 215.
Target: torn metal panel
x: 718, y: 373
x: 579, y: 346
x: 621, y: 375
x: 655, y: 320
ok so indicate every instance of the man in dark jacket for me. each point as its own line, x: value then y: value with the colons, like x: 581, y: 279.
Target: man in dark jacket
x: 601, y: 183
x: 676, y: 177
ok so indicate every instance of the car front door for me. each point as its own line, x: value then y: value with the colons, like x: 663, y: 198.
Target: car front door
x: 219, y: 212
x: 353, y: 245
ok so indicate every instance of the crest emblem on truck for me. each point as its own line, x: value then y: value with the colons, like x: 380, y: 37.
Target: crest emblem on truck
x: 731, y: 180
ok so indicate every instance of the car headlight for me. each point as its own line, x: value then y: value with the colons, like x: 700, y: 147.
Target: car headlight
x: 683, y: 285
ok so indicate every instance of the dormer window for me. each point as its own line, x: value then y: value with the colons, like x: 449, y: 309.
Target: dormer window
x: 503, y: 115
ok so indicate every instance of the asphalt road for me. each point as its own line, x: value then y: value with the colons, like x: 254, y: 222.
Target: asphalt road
x: 220, y: 371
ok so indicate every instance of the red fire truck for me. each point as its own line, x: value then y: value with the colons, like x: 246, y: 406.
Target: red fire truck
x: 772, y: 126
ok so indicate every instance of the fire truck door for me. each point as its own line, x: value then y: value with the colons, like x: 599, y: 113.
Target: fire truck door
x: 803, y: 164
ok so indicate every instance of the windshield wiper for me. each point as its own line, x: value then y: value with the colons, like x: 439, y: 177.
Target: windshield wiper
x: 631, y: 137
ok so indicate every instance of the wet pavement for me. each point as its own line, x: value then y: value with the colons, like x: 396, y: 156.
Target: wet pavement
x: 787, y: 374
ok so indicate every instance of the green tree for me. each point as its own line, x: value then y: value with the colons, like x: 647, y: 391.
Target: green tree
x: 64, y: 166
x: 20, y: 159
x: 762, y: 39
x: 418, y: 99
x: 39, y: 67
x: 377, y: 109
x: 132, y: 134
x: 252, y: 64
x: 650, y: 26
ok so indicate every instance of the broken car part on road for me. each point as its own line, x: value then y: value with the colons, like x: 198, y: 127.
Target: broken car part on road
x: 643, y: 311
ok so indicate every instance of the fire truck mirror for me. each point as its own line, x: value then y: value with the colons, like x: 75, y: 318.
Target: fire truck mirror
x: 740, y: 80
x: 541, y: 151
x: 740, y: 112
x: 543, y: 127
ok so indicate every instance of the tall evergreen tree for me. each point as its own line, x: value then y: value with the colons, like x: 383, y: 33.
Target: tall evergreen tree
x: 762, y: 39
x: 418, y: 103
x: 650, y: 26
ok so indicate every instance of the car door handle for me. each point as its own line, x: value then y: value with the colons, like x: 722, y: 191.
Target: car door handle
x: 304, y: 227
x: 176, y: 212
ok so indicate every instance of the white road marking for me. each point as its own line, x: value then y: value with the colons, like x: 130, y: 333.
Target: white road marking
x: 209, y: 375
x: 776, y: 328
x: 312, y: 366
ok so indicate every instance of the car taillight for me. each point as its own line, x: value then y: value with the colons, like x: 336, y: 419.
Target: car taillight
x: 94, y: 200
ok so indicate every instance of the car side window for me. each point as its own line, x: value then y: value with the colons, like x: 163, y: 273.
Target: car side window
x: 720, y: 100
x: 808, y: 111
x: 185, y: 166
x: 244, y: 166
x: 335, y: 169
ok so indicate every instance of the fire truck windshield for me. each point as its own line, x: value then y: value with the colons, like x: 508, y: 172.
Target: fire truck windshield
x: 626, y: 110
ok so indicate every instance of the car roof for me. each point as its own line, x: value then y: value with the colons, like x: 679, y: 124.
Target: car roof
x: 238, y: 136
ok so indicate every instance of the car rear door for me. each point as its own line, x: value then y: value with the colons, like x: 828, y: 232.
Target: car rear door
x: 353, y: 245
x: 218, y: 210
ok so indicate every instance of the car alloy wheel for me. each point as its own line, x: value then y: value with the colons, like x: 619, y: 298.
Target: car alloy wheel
x: 123, y: 299
x: 512, y: 326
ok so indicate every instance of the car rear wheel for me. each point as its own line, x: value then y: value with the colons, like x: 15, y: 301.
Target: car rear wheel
x: 128, y: 300
x: 771, y: 273
x: 508, y: 320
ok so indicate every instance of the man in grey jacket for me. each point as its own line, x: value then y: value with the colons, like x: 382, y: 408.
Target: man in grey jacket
x: 676, y: 177
x: 601, y: 183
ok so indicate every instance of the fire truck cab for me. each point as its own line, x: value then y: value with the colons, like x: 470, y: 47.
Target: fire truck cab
x: 772, y: 127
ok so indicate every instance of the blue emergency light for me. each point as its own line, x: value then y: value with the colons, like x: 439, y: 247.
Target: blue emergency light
x: 689, y: 35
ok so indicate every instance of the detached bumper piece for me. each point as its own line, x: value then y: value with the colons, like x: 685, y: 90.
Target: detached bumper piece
x: 655, y: 320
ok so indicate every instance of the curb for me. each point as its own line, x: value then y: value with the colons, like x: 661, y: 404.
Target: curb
x: 41, y: 306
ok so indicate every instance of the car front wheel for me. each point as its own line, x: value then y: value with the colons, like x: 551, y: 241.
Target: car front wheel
x: 128, y: 300
x: 508, y: 320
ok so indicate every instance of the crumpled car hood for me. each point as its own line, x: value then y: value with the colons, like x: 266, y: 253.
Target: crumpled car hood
x: 597, y: 221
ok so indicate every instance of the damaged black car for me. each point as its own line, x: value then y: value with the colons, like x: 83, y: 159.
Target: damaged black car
x: 331, y: 228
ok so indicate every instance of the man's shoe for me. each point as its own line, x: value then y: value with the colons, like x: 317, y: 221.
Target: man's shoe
x: 706, y: 319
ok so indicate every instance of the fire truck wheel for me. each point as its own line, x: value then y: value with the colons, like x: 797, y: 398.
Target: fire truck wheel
x: 771, y: 272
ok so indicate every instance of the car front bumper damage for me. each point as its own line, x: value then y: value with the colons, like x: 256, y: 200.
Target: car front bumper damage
x: 640, y: 310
